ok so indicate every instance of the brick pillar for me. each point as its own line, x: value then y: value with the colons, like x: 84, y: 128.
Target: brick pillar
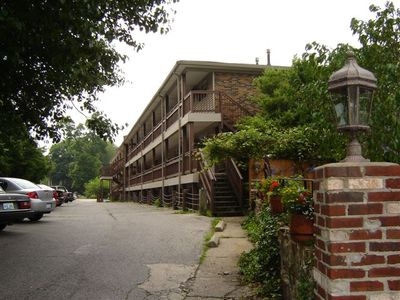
x: 357, y: 245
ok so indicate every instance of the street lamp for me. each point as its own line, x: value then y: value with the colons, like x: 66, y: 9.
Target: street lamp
x: 351, y: 90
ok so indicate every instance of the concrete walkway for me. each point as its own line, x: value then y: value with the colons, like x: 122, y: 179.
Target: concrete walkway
x: 218, y: 276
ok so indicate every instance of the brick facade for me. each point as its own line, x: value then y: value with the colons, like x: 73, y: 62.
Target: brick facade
x: 357, y: 226
x: 238, y: 86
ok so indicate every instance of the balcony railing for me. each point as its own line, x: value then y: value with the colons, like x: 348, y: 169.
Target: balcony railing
x: 106, y: 171
x: 199, y: 101
x: 204, y: 101
x: 172, y: 116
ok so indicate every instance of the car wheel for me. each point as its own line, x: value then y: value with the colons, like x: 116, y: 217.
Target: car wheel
x: 36, y: 217
x: 2, y: 226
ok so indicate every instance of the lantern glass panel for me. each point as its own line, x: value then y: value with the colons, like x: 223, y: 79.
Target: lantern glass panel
x: 353, y: 105
x: 365, y: 105
x: 339, y: 98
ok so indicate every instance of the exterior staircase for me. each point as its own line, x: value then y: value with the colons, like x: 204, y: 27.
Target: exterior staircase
x: 225, y: 201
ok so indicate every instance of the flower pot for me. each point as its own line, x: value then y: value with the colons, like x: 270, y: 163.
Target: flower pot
x: 301, y: 228
x: 275, y: 203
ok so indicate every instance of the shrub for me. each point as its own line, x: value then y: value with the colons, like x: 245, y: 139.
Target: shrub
x: 93, y: 188
x: 157, y: 202
x: 261, y: 265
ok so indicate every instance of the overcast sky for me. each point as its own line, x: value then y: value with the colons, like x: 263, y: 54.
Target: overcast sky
x: 235, y: 31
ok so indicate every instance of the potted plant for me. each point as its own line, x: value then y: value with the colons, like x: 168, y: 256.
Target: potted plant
x: 299, y: 204
x: 269, y: 190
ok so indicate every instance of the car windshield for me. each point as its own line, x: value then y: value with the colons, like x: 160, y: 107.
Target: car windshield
x: 1, y: 190
x: 25, y: 184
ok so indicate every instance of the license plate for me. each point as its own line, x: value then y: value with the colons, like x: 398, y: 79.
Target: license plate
x: 48, y: 205
x: 8, y: 206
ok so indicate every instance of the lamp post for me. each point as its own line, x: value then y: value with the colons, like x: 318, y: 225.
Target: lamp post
x: 351, y: 90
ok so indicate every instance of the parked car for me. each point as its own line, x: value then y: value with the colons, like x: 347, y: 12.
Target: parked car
x: 63, y: 193
x: 55, y: 194
x: 13, y: 207
x: 42, y: 201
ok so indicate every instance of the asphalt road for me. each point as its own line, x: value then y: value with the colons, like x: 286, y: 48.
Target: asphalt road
x: 90, y: 250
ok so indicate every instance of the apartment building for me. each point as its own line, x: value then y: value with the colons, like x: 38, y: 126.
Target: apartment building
x: 157, y: 161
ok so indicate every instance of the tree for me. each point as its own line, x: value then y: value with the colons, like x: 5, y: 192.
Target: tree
x: 94, y: 187
x: 20, y: 155
x: 296, y: 110
x: 55, y: 52
x: 291, y: 123
x: 380, y: 52
x: 78, y: 158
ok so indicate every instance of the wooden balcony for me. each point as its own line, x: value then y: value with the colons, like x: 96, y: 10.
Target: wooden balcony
x: 200, y: 101
x: 106, y: 172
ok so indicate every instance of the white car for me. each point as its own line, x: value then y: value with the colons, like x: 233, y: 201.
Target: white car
x: 42, y: 200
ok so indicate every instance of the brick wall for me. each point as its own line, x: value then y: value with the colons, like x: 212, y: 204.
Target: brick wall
x: 238, y: 86
x: 357, y: 231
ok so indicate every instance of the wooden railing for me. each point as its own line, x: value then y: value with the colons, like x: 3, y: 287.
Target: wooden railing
x: 207, y: 179
x: 172, y: 117
x: 106, y: 171
x: 236, y: 179
x: 200, y: 101
x: 172, y: 167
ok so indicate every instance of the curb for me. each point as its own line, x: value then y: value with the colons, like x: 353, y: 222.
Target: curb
x: 213, y: 242
x: 220, y: 226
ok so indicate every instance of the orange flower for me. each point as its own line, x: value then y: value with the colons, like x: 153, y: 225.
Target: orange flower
x: 273, y: 186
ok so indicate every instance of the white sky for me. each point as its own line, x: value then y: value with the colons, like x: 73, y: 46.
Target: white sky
x: 235, y: 31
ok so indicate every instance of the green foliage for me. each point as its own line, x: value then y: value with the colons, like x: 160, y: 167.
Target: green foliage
x: 94, y: 187
x: 306, y: 285
x: 20, y: 155
x: 157, y: 202
x: 303, y: 132
x: 296, y: 119
x: 291, y: 190
x: 292, y: 123
x: 248, y: 142
x: 380, y: 52
x: 52, y: 53
x: 262, y: 264
x: 296, y: 198
x: 78, y: 158
x: 270, y: 185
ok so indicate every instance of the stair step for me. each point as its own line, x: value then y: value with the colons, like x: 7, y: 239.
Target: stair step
x: 223, y: 193
x: 227, y: 205
x: 225, y: 200
x: 231, y: 198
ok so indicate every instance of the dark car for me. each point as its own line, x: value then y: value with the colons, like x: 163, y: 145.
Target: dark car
x: 13, y: 207
x: 63, y: 194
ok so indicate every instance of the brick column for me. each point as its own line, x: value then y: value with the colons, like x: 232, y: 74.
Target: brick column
x: 357, y: 245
